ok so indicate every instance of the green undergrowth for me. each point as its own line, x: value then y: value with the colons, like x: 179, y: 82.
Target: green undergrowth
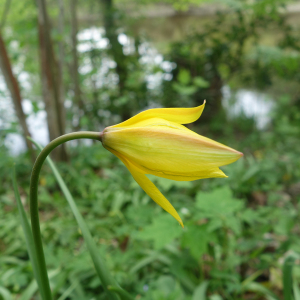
x: 238, y: 231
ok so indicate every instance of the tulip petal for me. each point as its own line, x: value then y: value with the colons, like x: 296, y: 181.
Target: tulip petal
x: 150, y: 123
x: 213, y: 173
x: 176, y: 115
x: 147, y: 185
x: 180, y: 176
x: 167, y: 151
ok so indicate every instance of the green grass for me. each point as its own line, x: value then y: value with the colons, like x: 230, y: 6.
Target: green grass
x: 240, y: 241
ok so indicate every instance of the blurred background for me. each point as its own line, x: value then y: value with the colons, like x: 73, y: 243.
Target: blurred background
x: 69, y: 65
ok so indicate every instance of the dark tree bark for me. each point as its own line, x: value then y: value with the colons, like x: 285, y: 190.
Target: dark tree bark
x: 51, y: 82
x: 14, y: 90
x: 75, y: 75
x: 5, y: 13
x: 61, y: 48
x: 116, y: 51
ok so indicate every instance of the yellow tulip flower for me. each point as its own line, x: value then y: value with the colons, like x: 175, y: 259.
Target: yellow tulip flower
x: 154, y: 142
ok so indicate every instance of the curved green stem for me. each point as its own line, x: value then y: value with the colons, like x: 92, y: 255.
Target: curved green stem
x: 34, y: 212
x: 120, y: 292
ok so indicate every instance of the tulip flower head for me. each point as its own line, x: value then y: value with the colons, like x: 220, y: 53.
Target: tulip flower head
x: 155, y: 142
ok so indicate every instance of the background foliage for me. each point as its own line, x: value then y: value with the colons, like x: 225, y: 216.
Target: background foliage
x: 238, y: 231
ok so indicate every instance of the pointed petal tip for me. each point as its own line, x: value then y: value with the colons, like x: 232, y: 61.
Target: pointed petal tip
x: 181, y: 223
x: 238, y: 153
x: 201, y: 107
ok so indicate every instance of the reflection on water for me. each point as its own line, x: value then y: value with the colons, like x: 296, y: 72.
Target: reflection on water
x: 88, y: 39
x: 36, y: 122
x: 251, y: 104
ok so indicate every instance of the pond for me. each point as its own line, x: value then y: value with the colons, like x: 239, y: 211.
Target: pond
x: 250, y: 103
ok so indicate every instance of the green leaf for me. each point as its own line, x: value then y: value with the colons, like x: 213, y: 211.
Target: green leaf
x: 153, y: 256
x: 215, y: 297
x: 99, y: 263
x: 252, y: 171
x: 218, y: 203
x: 184, y: 90
x: 5, y: 293
x: 196, y: 239
x: 201, y: 82
x: 162, y: 231
x: 200, y: 291
x: 166, y: 284
x: 258, y: 288
x: 68, y: 291
x: 32, y: 287
x: 296, y: 291
x: 29, y: 292
x: 287, y: 277
x: 214, y: 224
x: 234, y: 224
x: 119, y: 291
x: 167, y: 184
x: 187, y: 280
x: 184, y: 76
x: 28, y: 235
x: 249, y: 216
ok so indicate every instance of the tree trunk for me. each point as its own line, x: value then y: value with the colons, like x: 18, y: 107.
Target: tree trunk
x: 51, y: 82
x: 14, y: 90
x: 5, y: 13
x: 214, y: 108
x: 75, y: 74
x: 61, y: 49
x: 116, y: 49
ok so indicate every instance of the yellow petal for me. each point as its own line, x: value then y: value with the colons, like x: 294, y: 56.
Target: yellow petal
x: 213, y: 173
x: 209, y: 173
x: 150, y: 189
x: 149, y: 123
x: 169, y: 149
x: 176, y: 115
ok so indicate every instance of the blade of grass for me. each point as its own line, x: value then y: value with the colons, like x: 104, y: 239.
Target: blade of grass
x: 99, y: 263
x: 78, y: 291
x: 200, y: 291
x: 251, y: 278
x: 30, y: 290
x: 287, y: 277
x: 296, y: 291
x: 5, y: 293
x: 34, y: 207
x: 122, y: 293
x: 258, y: 288
x: 68, y: 291
x: 33, y: 287
x: 28, y: 235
